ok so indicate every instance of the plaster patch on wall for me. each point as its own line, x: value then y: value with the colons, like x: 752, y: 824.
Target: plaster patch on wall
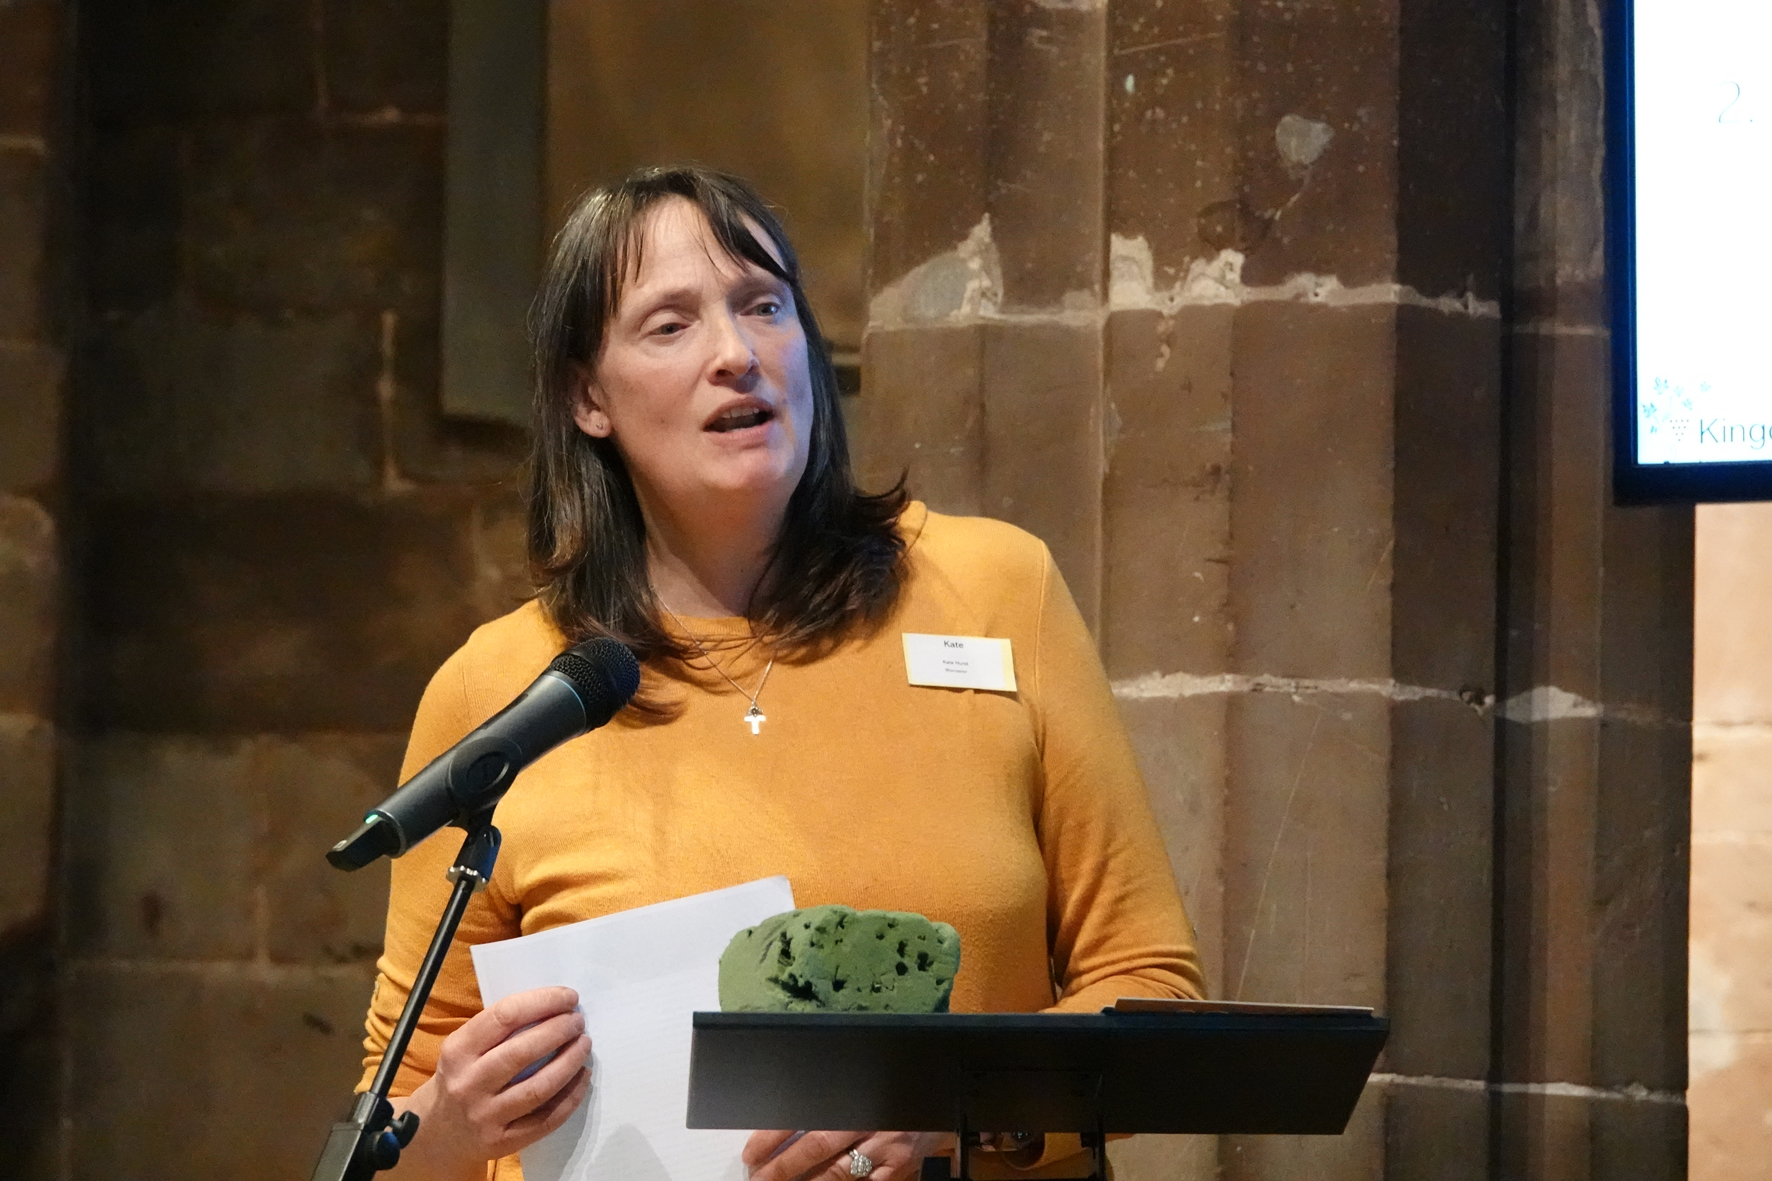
x: 1132, y: 278
x: 962, y: 284
x: 1169, y: 686
x: 965, y: 285
x: 1219, y: 280
x: 1547, y: 703
x: 1630, y: 1093
x: 1301, y: 141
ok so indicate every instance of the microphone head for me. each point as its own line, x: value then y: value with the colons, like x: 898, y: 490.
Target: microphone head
x: 605, y: 674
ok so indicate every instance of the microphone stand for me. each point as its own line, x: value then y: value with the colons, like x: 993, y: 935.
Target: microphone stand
x: 370, y: 1139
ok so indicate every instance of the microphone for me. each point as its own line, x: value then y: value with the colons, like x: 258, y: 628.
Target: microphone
x: 580, y: 691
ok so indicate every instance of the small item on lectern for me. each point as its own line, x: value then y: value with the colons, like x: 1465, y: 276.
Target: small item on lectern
x: 834, y: 959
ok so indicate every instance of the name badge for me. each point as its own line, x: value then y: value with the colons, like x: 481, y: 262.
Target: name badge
x: 959, y: 662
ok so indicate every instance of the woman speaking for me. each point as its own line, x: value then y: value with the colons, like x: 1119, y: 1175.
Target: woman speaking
x: 691, y: 496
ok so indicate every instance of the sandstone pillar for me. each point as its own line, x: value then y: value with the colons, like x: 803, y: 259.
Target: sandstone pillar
x: 1595, y: 744
x: 1218, y: 298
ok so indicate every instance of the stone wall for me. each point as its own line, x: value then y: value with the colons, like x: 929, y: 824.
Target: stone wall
x: 281, y: 541
x: 1278, y: 319
x: 1731, y: 995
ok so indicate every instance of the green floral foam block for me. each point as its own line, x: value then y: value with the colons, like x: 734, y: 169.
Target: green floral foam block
x: 835, y: 959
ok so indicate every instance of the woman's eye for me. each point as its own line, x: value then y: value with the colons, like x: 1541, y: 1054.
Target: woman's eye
x: 671, y: 328
x: 768, y: 307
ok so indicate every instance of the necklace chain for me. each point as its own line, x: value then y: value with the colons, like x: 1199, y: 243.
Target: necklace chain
x: 753, y: 716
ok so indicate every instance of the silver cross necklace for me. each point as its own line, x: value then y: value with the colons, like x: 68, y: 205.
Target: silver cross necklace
x: 753, y: 716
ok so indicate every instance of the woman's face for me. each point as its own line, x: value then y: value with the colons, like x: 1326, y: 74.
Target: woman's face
x: 703, y: 380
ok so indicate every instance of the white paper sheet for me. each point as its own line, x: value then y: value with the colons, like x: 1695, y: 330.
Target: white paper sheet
x: 639, y: 975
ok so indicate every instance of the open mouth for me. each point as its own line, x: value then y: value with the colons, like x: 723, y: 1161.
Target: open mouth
x: 740, y: 417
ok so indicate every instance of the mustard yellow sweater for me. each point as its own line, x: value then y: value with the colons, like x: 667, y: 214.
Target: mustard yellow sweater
x: 1020, y: 818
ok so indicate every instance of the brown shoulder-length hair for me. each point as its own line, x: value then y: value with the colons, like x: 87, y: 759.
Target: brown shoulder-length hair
x: 838, y: 562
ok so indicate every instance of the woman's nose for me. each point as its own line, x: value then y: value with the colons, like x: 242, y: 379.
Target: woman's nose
x: 733, y: 355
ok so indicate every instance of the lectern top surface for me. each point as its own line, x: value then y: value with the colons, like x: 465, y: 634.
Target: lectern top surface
x: 1189, y: 1071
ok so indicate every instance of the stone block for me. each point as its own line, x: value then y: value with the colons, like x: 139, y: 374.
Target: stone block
x: 30, y: 590
x: 1180, y: 742
x: 1559, y: 129
x: 1733, y: 569
x: 134, y: 192
x: 1166, y: 493
x: 184, y: 399
x: 1547, y: 910
x: 1640, y: 1140
x: 1547, y: 1135
x: 22, y: 231
x: 1454, y: 149
x: 1358, y: 1154
x: 427, y: 447
x: 1647, y: 591
x: 1731, y: 1108
x: 1317, y: 100
x: 27, y: 784
x: 314, y: 790
x: 927, y: 151
x: 1441, y: 902
x: 315, y: 218
x: 1729, y: 797
x: 1446, y: 499
x: 393, y: 54
x: 209, y: 1075
x: 1042, y: 386
x: 161, y: 840
x: 30, y: 416
x: 1435, y: 1133
x: 1045, y: 102
x: 922, y: 415
x: 1731, y: 965
x: 1306, y: 848
x: 281, y: 615
x: 1171, y: 130
x: 31, y: 33
x: 1165, y: 1158
x: 1559, y: 397
x: 1311, y: 527
x: 1642, y: 868
x: 190, y: 59
x: 204, y: 849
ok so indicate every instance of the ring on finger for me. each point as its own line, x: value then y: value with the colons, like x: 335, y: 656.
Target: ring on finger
x: 860, y: 1164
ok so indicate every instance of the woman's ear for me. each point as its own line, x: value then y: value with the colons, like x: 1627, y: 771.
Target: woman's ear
x: 587, y: 410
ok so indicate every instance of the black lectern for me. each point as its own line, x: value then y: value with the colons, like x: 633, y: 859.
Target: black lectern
x: 1139, y: 1067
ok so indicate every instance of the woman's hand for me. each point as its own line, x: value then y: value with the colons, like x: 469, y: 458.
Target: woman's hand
x: 897, y: 1156
x: 471, y: 1111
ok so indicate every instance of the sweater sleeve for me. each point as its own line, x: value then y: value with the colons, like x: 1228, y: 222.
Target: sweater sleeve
x: 417, y: 893
x: 1116, y: 925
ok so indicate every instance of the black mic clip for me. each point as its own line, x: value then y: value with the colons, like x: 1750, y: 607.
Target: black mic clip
x: 367, y: 1141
